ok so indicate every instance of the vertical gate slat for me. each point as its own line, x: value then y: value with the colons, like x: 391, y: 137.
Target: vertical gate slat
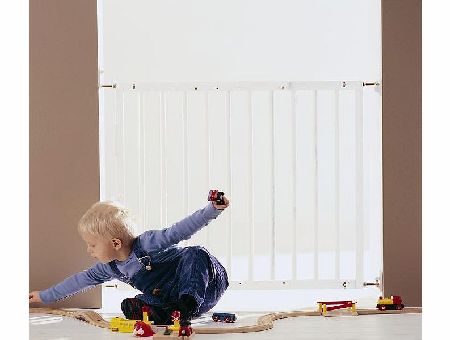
x: 337, y: 174
x: 359, y: 187
x: 272, y: 250
x: 252, y: 190
x: 294, y: 184
x: 316, y: 189
x: 230, y: 178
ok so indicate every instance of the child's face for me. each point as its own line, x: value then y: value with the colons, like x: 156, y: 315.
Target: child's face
x: 103, y: 249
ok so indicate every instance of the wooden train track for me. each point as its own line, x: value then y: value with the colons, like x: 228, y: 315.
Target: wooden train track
x: 88, y: 316
x: 263, y: 323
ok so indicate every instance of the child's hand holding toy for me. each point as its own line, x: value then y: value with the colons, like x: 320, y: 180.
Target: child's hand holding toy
x: 218, y: 199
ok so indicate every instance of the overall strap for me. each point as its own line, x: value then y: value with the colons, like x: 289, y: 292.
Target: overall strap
x: 114, y: 268
x: 119, y: 275
x: 137, y: 248
x: 141, y: 255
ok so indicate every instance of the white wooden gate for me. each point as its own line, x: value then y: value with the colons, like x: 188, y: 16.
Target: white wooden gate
x: 300, y: 162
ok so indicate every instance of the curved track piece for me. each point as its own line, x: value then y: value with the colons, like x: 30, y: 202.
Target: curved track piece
x: 88, y: 316
x: 263, y: 323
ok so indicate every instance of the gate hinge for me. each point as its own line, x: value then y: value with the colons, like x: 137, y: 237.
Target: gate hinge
x: 376, y: 283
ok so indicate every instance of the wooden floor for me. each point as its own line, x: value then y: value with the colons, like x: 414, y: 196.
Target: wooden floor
x: 399, y: 327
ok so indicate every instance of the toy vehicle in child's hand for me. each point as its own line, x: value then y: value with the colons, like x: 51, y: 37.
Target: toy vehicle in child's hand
x: 224, y: 317
x: 216, y: 196
x: 392, y: 303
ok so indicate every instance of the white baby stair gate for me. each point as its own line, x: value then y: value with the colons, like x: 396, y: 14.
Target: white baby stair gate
x: 300, y: 162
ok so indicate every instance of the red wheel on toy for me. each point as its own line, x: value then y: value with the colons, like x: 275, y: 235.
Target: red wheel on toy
x: 215, y: 318
x: 398, y: 307
x: 383, y: 308
x: 227, y: 319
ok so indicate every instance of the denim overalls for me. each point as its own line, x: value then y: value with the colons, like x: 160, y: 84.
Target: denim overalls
x: 167, y: 274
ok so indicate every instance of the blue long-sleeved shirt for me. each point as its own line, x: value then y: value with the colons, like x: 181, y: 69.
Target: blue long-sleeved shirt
x: 152, y: 240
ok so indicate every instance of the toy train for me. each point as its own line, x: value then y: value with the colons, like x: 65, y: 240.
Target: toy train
x: 392, y: 303
x: 216, y: 196
x: 224, y: 317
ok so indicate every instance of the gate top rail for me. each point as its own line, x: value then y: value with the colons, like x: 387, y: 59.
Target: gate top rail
x: 235, y: 86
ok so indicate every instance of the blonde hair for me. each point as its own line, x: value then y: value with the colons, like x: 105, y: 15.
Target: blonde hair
x: 107, y: 219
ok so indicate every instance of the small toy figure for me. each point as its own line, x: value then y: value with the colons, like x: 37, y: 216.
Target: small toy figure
x: 184, y: 333
x: 141, y: 329
x: 392, y: 303
x: 224, y: 317
x: 176, y: 321
x: 185, y: 329
x: 216, y: 196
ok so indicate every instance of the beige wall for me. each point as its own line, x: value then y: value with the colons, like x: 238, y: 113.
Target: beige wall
x: 64, y: 156
x: 402, y: 150
x: 64, y: 176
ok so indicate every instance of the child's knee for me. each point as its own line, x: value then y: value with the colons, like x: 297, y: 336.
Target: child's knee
x: 197, y: 254
x: 132, y: 308
x: 126, y: 304
x: 195, y: 251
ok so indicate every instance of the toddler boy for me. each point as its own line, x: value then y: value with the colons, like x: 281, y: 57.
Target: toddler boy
x: 170, y: 277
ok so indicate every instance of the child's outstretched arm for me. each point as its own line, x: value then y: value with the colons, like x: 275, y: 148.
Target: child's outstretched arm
x: 154, y: 240
x: 81, y: 281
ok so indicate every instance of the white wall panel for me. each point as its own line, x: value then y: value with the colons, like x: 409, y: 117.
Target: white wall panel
x: 256, y: 40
